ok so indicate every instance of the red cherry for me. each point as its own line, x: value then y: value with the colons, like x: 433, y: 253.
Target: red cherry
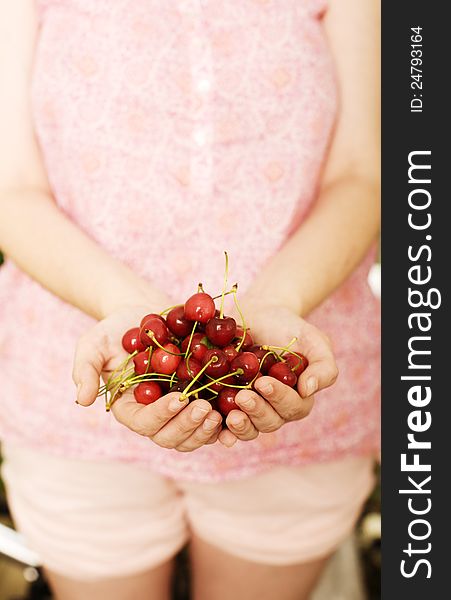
x: 283, y: 373
x: 249, y: 363
x: 297, y: 362
x: 179, y: 386
x: 177, y: 323
x: 219, y: 331
x: 260, y: 353
x: 220, y: 367
x: 156, y: 327
x: 151, y: 316
x: 226, y: 401
x: 198, y: 346
x: 142, y: 363
x: 188, y: 369
x: 200, y: 307
x: 248, y: 341
x: 131, y: 341
x: 231, y: 352
x: 147, y: 392
x: 165, y: 362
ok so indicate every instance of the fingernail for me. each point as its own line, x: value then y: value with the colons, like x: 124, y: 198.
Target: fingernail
x: 265, y: 388
x: 229, y: 445
x: 312, y: 385
x: 209, y: 424
x: 175, y: 405
x: 198, y: 413
x: 237, y: 421
x: 248, y: 403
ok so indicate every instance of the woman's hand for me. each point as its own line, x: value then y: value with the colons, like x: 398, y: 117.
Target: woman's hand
x: 168, y: 422
x: 276, y: 403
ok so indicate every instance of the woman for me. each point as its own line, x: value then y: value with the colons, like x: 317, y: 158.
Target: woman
x: 140, y: 140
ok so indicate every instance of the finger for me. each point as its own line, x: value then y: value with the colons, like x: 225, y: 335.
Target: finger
x: 147, y: 419
x: 181, y: 427
x: 214, y: 437
x: 261, y: 413
x: 88, y: 363
x: 317, y: 376
x: 241, y: 426
x: 227, y: 438
x: 322, y: 370
x: 285, y: 400
x: 203, y: 434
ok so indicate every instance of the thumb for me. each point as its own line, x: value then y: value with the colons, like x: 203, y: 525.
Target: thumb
x: 88, y: 364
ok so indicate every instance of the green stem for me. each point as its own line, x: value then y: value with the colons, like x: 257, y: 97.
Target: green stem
x: 190, y: 338
x: 226, y: 275
x: 157, y: 343
x: 184, y: 395
x: 166, y: 310
x: 282, y: 348
x: 213, y: 381
x: 243, y: 321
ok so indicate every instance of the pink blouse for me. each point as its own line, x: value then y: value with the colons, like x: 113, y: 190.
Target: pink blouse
x: 172, y: 131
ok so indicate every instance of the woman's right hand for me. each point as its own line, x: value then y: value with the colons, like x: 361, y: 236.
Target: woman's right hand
x: 168, y: 422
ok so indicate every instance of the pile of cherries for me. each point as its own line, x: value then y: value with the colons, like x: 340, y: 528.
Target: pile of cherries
x: 196, y: 350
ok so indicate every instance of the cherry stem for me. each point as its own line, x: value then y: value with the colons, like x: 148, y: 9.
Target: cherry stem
x: 190, y: 338
x: 157, y: 343
x: 231, y: 385
x: 226, y: 275
x: 225, y: 294
x: 266, y: 355
x: 166, y: 310
x: 243, y: 321
x: 121, y: 367
x: 184, y: 394
x: 187, y: 364
x: 213, y: 381
x: 282, y: 348
x: 200, y: 288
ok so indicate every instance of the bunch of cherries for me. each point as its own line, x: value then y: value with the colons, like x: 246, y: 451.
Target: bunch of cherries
x: 196, y: 350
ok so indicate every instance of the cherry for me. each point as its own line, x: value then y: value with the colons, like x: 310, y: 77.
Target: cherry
x: 200, y: 307
x: 231, y: 352
x: 297, y: 362
x: 188, y: 369
x: 131, y: 341
x: 248, y: 341
x: 219, y: 331
x: 151, y: 316
x: 260, y: 353
x: 179, y: 386
x: 220, y: 367
x: 283, y: 373
x: 166, y: 362
x: 156, y: 328
x: 177, y: 323
x: 226, y: 401
x: 249, y: 363
x: 198, y: 346
x: 142, y: 362
x: 147, y: 392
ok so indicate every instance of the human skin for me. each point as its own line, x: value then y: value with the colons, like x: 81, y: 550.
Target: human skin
x: 326, y: 248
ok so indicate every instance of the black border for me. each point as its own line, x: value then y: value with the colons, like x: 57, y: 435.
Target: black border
x: 402, y: 133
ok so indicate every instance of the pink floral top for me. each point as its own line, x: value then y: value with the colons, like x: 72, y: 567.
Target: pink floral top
x: 172, y: 131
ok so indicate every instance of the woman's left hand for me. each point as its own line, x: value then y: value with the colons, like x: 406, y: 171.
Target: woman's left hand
x: 273, y: 403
